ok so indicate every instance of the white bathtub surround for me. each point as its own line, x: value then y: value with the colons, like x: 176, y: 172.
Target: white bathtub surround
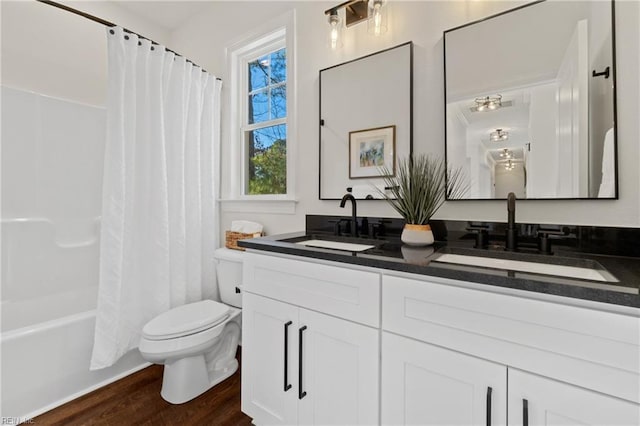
x: 52, y: 155
x: 159, y: 217
x: 45, y: 365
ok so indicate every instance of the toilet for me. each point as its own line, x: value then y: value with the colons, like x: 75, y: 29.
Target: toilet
x: 197, y: 342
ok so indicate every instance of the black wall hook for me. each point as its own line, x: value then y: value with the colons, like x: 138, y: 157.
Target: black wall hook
x: 598, y: 74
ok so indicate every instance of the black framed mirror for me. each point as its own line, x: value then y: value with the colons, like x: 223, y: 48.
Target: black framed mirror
x: 530, y: 102
x: 366, y: 121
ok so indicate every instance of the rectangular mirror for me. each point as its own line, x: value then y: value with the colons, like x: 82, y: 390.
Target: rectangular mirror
x: 530, y: 102
x: 365, y: 121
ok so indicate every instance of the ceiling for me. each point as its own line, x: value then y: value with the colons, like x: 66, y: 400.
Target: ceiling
x: 167, y: 14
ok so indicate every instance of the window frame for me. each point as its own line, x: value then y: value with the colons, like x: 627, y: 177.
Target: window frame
x: 271, y: 37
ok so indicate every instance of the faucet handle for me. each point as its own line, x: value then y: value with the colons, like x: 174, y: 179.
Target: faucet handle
x: 544, y: 244
x: 338, y: 226
x: 482, y: 235
x: 378, y: 229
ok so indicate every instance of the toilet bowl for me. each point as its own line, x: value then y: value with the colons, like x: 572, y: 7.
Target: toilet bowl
x: 197, y: 342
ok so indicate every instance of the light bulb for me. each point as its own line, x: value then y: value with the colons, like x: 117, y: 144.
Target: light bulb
x: 377, y: 19
x: 334, y: 36
x: 334, y: 31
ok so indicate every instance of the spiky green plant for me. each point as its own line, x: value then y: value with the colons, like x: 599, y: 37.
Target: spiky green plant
x: 420, y: 187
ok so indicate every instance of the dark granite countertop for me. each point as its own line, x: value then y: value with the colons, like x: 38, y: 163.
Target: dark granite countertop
x: 389, y: 253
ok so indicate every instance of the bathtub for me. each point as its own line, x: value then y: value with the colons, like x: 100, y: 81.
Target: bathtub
x: 49, y: 294
x: 47, y: 364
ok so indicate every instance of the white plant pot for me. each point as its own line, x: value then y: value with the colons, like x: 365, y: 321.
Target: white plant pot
x: 416, y: 255
x: 417, y: 235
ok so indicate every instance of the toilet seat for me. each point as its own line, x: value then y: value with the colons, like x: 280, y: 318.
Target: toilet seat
x: 185, y: 320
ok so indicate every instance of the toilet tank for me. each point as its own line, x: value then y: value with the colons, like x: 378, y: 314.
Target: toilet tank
x: 229, y: 274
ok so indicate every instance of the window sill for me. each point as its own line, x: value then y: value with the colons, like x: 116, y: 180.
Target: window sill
x: 246, y: 205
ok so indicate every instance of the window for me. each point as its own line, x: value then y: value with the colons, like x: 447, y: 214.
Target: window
x: 261, y: 147
x: 265, y: 126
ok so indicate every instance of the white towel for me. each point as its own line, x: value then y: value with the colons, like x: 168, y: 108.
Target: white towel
x: 608, y: 183
x: 246, y: 227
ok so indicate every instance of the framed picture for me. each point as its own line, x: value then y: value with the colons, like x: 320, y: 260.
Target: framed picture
x: 371, y: 149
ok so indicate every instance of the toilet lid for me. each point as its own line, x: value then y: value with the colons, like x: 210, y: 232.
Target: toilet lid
x: 186, y: 319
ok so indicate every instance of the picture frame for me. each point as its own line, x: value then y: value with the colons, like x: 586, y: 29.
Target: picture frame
x: 371, y: 149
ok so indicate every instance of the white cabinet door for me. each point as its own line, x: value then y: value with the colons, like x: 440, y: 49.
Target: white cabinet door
x: 264, y: 397
x: 339, y: 368
x: 536, y: 400
x: 424, y: 384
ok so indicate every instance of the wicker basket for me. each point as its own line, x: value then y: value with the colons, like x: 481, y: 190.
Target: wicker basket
x: 232, y: 238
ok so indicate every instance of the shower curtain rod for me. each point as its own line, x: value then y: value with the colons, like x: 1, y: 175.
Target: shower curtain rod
x: 111, y: 24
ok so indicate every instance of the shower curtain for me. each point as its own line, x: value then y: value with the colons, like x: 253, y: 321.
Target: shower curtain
x: 159, y: 219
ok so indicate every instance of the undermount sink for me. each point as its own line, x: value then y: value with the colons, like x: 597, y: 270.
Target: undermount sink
x: 336, y: 245
x: 524, y: 266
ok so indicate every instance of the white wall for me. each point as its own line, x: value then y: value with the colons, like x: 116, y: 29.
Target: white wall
x: 56, y: 53
x: 205, y: 37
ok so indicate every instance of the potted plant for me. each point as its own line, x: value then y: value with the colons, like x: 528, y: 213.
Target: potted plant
x: 418, y: 189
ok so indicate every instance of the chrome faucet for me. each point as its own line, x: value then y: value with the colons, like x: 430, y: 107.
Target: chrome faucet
x: 354, y: 216
x: 512, y: 232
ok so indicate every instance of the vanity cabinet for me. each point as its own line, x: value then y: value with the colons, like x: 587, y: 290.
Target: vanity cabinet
x: 428, y: 385
x: 535, y: 400
x: 301, y: 366
x: 267, y: 393
x: 470, y: 340
x: 424, y: 384
x: 328, y: 343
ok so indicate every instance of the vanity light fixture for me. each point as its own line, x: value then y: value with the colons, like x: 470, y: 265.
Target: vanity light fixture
x: 506, y: 153
x: 335, y: 30
x: 356, y: 11
x: 499, y: 135
x: 488, y: 103
x: 377, y: 23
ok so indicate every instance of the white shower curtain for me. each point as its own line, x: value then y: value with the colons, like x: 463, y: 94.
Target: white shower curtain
x: 159, y: 218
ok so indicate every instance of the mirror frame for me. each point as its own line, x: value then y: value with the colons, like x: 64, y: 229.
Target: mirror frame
x: 320, y: 119
x: 615, y: 103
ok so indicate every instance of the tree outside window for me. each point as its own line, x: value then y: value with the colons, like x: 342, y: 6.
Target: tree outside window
x: 266, y: 126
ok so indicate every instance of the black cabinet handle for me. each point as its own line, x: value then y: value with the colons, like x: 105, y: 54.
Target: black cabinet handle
x: 525, y: 412
x: 287, y: 385
x: 489, y: 391
x: 301, y: 394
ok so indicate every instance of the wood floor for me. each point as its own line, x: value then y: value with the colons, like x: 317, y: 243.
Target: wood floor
x: 136, y: 400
